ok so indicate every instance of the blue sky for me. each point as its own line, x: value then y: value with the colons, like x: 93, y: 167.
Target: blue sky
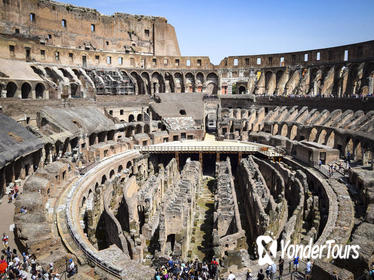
x: 240, y: 27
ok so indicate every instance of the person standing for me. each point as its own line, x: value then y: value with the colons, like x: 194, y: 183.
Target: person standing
x: 281, y: 266
x: 273, y: 270
x: 231, y: 276
x: 260, y: 275
x: 308, y: 270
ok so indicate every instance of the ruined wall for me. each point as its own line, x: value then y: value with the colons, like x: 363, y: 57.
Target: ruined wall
x: 64, y: 25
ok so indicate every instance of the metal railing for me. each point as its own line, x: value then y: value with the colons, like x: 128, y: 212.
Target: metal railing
x: 198, y: 149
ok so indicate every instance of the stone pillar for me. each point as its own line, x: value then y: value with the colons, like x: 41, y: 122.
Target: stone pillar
x: 201, y: 158
x: 240, y: 154
x: 218, y: 157
x: 33, y: 94
x: 177, y: 159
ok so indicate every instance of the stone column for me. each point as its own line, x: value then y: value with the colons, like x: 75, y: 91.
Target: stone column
x: 218, y: 157
x: 201, y: 158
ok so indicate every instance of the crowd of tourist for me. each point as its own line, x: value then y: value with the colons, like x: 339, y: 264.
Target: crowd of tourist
x: 176, y: 269
x: 24, y: 266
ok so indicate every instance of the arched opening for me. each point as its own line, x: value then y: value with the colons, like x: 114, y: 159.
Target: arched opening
x: 25, y: 90
x: 242, y: 90
x: 74, y: 90
x: 357, y: 151
x: 275, y: 129
x: 92, y: 139
x: 138, y: 129
x: 293, y: 133
x: 146, y: 128
x: 179, y: 82
x: 111, y: 174
x: 322, y: 137
x: 284, y: 130
x: 39, y: 91
x: 139, y: 118
x: 120, y: 168
x: 170, y: 80
x: 331, y: 140
x: 313, y: 135
x: 103, y: 179
x: 190, y: 82
x: 158, y: 85
x: 129, y: 131
x: 131, y: 118
x: 145, y: 76
x: 128, y: 164
x: 11, y: 89
x: 212, y: 83
x: 139, y: 83
x: 349, y: 149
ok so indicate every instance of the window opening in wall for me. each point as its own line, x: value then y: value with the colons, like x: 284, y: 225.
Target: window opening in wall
x: 57, y: 56
x: 154, y: 61
x: 318, y: 56
x: 109, y: 60
x: 165, y: 61
x: 32, y: 17
x: 345, y: 55
x: 111, y: 112
x: 177, y: 62
x: 306, y: 57
x: 282, y: 61
x: 199, y: 62
x: 236, y: 62
x: 63, y: 23
x: 107, y: 43
x: 49, y: 36
x: 97, y: 58
x: 258, y: 60
x: 93, y: 28
x: 42, y: 54
x: 146, y: 32
x: 270, y: 60
x: 132, y: 61
x: 71, y: 56
x: 84, y: 61
x: 120, y: 60
x: 188, y: 62
x: 247, y: 61
x: 28, y: 53
x: 11, y: 50
x: 17, y: 31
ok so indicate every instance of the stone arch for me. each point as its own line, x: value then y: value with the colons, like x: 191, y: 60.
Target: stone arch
x: 199, y: 82
x: 74, y: 90
x: 313, y: 134
x: 284, y: 130
x: 331, y: 140
x: 139, y: 83
x: 212, y: 84
x: 158, y: 84
x: 131, y: 118
x: 293, y: 132
x: 322, y: 137
x: 275, y: 129
x: 278, y: 77
x: 103, y: 179
x: 349, y: 147
x: 129, y: 131
x: 190, y: 82
x: 145, y: 76
x: 146, y: 128
x: 39, y: 91
x: 357, y: 150
x: 128, y: 164
x: 26, y: 91
x: 120, y: 168
x: 138, y: 129
x: 170, y: 80
x: 139, y: 117
x: 111, y: 174
x: 270, y: 82
x: 11, y: 89
x: 179, y: 82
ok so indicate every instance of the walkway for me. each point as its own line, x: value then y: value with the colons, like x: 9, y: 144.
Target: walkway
x: 7, y: 220
x: 202, y: 232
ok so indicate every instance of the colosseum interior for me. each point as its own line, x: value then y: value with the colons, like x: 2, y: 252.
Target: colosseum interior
x: 127, y: 153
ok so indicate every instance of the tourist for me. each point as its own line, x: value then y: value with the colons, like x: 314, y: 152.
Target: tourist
x: 273, y: 271
x: 5, y: 240
x: 281, y: 265
x: 249, y: 275
x: 71, y: 269
x: 268, y: 271
x: 308, y: 270
x: 296, y: 263
x: 231, y: 276
x: 371, y: 272
x: 335, y: 276
x: 260, y: 275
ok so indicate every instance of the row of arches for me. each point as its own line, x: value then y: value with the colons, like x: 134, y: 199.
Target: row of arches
x: 25, y: 90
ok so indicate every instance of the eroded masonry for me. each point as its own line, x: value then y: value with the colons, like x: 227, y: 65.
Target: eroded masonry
x: 127, y: 153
